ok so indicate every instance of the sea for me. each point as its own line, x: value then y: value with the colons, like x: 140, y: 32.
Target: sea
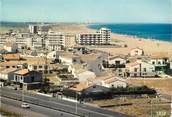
x: 161, y: 32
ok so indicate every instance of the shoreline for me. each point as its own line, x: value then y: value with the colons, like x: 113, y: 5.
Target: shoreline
x: 131, y: 36
x: 150, y: 46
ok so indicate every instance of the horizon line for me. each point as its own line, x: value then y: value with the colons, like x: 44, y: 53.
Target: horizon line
x: 87, y: 22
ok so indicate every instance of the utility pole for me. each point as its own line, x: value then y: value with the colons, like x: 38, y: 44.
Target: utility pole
x: 171, y: 105
x: 151, y: 109
x: 76, y: 109
x: 1, y: 85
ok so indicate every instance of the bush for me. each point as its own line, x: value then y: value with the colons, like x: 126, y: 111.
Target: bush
x: 132, y: 90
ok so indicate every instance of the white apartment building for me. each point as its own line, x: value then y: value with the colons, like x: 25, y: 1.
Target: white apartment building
x: 55, y: 41
x: 2, y: 40
x: 69, y: 40
x: 38, y: 43
x: 101, y: 37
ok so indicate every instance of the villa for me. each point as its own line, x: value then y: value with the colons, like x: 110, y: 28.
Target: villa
x: 116, y: 61
x: 136, y: 52
x: 140, y: 68
x: 161, y: 62
x: 110, y: 81
x: 27, y: 79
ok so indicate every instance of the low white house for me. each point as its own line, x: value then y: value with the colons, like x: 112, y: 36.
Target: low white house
x: 110, y: 81
x: 136, y: 52
x: 116, y: 60
x: 39, y: 64
x: 52, y: 55
x: 7, y: 74
x: 11, y: 47
x: 81, y: 73
x: 161, y: 62
x: 67, y: 58
x: 141, y: 69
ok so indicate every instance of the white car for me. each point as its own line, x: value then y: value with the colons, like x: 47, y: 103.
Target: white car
x: 25, y: 105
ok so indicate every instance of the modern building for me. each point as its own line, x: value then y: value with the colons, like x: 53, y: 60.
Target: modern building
x: 55, y: 41
x: 101, y: 37
x: 69, y: 41
x: 33, y: 29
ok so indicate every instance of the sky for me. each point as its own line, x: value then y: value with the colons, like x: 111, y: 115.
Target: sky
x: 105, y: 11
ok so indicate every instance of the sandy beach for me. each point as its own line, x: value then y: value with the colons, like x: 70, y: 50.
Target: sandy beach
x: 150, y: 46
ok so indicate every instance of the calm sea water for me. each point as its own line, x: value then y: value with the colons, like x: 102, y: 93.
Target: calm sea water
x: 148, y: 31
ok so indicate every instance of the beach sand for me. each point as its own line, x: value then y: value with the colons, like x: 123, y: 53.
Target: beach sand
x: 150, y: 46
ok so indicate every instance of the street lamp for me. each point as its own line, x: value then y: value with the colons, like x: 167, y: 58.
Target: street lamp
x: 171, y: 105
x: 76, y: 107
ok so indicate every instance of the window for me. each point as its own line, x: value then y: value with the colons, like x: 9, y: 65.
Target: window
x: 40, y: 66
x: 153, y: 62
x: 74, y: 60
x: 117, y: 62
x: 135, y: 75
x: 45, y: 67
x: 144, y: 69
x: 32, y: 79
x: 135, y: 69
x: 34, y: 67
x: 159, y: 62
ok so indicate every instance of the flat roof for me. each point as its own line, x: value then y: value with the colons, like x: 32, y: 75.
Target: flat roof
x: 8, y: 70
x: 22, y: 71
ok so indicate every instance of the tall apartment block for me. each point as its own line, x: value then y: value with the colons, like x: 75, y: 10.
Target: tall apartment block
x: 55, y: 41
x: 101, y: 37
x: 33, y: 29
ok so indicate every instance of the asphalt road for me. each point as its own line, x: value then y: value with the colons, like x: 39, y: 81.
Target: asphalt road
x: 43, y: 104
x: 44, y: 112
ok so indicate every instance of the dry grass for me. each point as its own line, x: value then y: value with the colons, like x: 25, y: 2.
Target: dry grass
x: 141, y: 107
x: 163, y: 85
x: 8, y: 113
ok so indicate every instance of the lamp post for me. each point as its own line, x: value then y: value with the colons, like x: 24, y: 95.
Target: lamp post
x: 171, y: 105
x: 76, y: 107
x: 76, y: 110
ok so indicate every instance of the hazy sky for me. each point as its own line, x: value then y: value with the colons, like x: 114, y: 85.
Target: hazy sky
x: 113, y: 11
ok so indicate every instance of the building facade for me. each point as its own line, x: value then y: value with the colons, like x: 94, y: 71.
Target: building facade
x: 55, y: 41
x: 101, y: 37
